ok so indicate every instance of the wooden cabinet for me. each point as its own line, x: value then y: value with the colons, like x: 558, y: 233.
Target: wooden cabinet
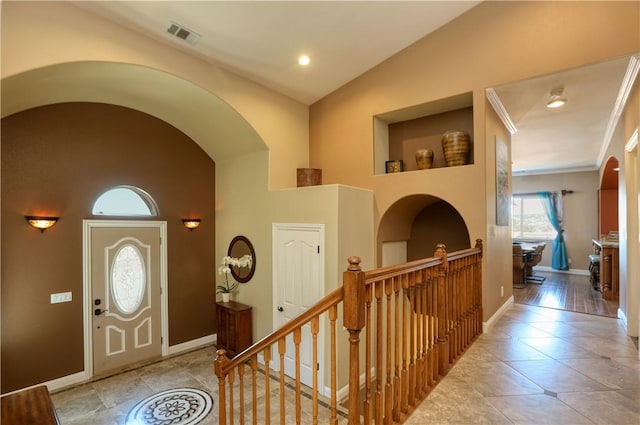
x: 32, y: 406
x: 609, y: 268
x: 234, y: 327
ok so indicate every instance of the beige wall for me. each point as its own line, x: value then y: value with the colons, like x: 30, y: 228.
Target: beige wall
x: 498, y: 255
x: 240, y: 125
x: 181, y: 89
x: 347, y: 214
x: 629, y: 210
x: 492, y: 44
x: 266, y: 136
x: 580, y: 211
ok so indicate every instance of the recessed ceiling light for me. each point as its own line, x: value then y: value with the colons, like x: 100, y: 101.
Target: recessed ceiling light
x: 555, y: 98
x: 304, y: 60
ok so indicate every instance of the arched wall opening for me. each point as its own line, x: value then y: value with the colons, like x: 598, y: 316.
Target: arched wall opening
x: 57, y: 160
x: 608, y: 198
x: 412, y: 227
x: 232, y: 131
x: 221, y: 131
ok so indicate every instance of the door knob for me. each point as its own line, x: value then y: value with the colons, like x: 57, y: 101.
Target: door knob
x: 99, y: 311
x: 280, y: 309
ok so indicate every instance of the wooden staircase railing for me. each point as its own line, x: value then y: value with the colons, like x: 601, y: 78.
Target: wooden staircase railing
x: 418, y: 318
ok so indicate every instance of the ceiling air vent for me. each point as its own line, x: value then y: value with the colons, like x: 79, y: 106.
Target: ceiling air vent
x: 183, y: 33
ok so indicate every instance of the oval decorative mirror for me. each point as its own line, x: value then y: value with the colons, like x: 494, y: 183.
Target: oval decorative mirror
x: 239, y: 247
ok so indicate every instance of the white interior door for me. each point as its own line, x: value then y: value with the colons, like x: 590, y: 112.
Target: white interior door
x: 298, y: 284
x: 125, y: 264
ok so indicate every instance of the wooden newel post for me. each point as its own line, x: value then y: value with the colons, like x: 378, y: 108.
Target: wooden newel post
x: 442, y: 341
x: 354, y: 319
x: 478, y: 288
x: 221, y: 360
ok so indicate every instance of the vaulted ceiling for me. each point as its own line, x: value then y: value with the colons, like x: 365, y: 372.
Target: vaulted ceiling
x: 261, y: 41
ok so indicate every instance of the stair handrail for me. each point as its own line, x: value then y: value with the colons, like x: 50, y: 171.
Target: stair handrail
x: 458, y: 321
x: 320, y: 307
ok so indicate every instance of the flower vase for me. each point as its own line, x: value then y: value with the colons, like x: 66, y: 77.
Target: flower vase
x: 225, y: 297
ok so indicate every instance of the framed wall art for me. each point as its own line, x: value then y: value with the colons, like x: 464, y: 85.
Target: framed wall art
x: 503, y: 191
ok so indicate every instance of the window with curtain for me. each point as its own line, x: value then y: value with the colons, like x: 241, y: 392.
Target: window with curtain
x: 530, y: 221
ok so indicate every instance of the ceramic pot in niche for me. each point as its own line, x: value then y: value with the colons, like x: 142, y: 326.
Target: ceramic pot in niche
x: 424, y: 159
x: 456, y: 145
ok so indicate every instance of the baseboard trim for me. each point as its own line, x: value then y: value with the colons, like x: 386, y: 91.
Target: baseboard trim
x: 623, y: 319
x: 343, y: 392
x: 193, y: 344
x: 58, y: 383
x: 486, y: 326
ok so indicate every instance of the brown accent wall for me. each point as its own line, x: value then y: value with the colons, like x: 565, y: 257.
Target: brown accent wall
x: 57, y: 160
x: 608, y: 208
x: 406, y: 137
x: 437, y: 223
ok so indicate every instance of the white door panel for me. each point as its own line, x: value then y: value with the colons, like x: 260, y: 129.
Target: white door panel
x: 298, y: 284
x: 126, y: 296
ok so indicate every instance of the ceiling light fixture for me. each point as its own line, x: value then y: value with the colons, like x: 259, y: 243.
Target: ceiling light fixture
x: 555, y: 98
x: 304, y: 60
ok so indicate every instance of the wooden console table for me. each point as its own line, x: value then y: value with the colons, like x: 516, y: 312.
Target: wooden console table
x: 234, y: 327
x: 32, y: 406
x: 609, y: 268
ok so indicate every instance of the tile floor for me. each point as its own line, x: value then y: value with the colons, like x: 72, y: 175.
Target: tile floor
x: 536, y: 366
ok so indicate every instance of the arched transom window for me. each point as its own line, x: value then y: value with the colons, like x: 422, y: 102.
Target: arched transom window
x: 125, y: 201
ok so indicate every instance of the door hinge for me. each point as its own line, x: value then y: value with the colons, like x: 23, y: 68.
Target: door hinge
x: 161, y: 340
x: 318, y: 249
x: 317, y: 366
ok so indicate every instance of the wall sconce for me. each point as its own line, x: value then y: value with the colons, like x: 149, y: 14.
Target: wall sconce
x: 191, y: 223
x: 41, y: 223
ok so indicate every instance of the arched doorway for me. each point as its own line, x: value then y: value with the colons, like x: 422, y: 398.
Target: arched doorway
x: 608, y: 198
x: 412, y: 227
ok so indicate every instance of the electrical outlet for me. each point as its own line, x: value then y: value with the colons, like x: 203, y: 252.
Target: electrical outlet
x: 62, y: 297
x: 570, y: 260
x: 502, y: 291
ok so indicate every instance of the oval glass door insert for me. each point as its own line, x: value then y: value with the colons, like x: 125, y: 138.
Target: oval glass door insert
x: 128, y: 279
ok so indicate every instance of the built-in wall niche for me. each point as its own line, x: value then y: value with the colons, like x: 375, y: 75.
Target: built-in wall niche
x: 399, y: 134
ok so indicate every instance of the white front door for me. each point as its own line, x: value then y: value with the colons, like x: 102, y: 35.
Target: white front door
x: 298, y: 284
x: 125, y: 286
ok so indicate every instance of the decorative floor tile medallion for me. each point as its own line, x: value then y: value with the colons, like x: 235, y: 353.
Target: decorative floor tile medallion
x: 181, y: 406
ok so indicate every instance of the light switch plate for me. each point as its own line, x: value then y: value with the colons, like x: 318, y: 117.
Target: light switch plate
x: 61, y: 297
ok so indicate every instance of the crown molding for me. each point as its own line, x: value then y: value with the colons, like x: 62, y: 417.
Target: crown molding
x: 537, y: 172
x: 495, y: 101
x: 633, y: 142
x: 623, y: 95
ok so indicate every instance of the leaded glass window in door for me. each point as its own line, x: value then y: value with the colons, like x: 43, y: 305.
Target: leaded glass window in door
x: 128, y: 279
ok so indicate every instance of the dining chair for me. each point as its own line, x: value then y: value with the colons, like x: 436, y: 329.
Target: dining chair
x: 533, y: 260
x: 519, y: 261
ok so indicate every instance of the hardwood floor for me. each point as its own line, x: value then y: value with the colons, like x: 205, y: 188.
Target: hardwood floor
x: 565, y: 291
